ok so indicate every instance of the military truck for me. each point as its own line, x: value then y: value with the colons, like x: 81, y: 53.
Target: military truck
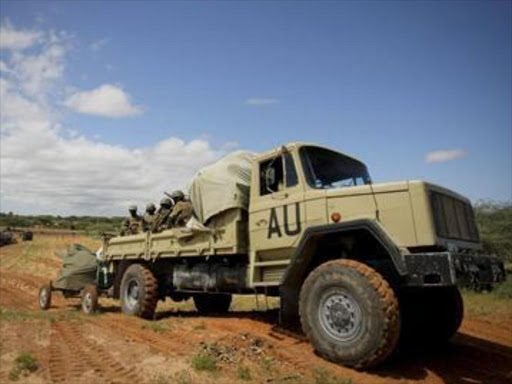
x: 359, y: 264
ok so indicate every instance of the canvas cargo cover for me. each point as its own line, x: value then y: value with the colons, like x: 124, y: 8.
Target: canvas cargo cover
x: 78, y: 268
x: 222, y: 185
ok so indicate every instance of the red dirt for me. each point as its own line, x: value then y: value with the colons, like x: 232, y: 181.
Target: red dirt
x: 79, y: 349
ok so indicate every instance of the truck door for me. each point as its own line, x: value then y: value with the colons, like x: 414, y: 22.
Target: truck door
x: 276, y: 216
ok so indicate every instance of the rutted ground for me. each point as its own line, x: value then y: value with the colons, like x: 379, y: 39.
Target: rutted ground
x: 112, y: 348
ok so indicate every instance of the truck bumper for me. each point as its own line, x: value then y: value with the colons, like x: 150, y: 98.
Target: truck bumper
x: 446, y: 268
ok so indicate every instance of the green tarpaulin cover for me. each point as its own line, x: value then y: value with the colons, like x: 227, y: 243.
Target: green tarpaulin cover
x: 79, y: 266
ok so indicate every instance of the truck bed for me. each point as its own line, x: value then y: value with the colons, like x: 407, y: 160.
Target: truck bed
x: 226, y: 235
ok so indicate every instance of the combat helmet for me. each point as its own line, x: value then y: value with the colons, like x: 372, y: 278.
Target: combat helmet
x: 177, y: 195
x: 132, y: 207
x: 165, y: 202
x: 150, y: 207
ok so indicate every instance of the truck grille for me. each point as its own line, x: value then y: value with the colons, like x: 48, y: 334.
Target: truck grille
x: 454, y: 218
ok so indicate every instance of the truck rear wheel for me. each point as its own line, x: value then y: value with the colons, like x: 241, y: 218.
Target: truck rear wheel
x: 350, y: 313
x: 139, y: 292
x: 212, y: 303
x: 431, y: 315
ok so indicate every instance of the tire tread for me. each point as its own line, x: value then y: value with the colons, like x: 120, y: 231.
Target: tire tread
x: 388, y: 300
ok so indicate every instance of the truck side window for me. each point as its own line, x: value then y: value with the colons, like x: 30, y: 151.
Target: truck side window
x: 275, y: 167
x: 291, y: 173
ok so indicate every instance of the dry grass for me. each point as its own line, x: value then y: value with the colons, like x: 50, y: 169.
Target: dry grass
x: 38, y: 257
x: 487, y: 304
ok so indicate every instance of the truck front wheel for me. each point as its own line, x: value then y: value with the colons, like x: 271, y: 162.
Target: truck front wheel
x: 139, y: 292
x: 212, y: 303
x: 350, y: 313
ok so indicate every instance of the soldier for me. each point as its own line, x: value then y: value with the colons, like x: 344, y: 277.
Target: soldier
x: 162, y: 216
x: 182, y: 211
x: 149, y: 217
x: 132, y: 224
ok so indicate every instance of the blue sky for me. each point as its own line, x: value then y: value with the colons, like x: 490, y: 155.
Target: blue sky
x: 388, y: 81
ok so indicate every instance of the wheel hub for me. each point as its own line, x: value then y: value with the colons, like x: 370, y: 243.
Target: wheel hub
x: 133, y: 293
x: 43, y: 298
x: 87, y: 303
x: 340, y: 315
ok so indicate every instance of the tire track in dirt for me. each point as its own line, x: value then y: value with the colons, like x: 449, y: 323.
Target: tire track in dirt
x: 26, y: 290
x: 76, y: 359
x: 171, y: 344
x: 29, y: 282
x: 9, y: 299
x: 14, y: 298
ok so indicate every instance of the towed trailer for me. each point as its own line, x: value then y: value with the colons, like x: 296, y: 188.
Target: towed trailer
x: 78, y: 278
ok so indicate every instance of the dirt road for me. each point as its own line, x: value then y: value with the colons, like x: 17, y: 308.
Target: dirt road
x: 113, y: 348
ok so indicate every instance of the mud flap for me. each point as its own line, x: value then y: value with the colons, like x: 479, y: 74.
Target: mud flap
x: 289, y: 307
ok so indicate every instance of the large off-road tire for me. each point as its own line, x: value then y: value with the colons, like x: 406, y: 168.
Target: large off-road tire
x: 350, y: 313
x: 431, y: 316
x: 90, y: 299
x: 139, y: 292
x: 45, y: 297
x: 212, y: 303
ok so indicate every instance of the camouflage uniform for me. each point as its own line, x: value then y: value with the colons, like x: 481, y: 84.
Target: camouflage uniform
x: 182, y: 210
x: 149, y: 217
x: 132, y: 224
x: 181, y: 213
x: 162, y: 216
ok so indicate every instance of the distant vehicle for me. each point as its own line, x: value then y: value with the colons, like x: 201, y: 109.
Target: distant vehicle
x: 27, y: 236
x: 6, y: 237
x: 359, y: 264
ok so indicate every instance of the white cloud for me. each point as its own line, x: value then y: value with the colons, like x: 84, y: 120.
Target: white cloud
x: 441, y: 156
x: 107, y: 100
x: 261, y: 101
x: 3, y: 66
x: 97, y: 45
x: 35, y: 72
x: 46, y: 167
x: 11, y: 38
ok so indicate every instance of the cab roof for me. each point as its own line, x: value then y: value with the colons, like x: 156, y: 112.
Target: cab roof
x: 298, y: 144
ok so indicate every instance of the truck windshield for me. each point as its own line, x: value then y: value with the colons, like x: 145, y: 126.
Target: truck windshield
x: 328, y: 169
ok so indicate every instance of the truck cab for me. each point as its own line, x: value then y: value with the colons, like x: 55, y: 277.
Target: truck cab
x: 290, y: 192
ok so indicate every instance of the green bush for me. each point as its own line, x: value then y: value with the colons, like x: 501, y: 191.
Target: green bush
x: 504, y: 290
x: 494, y: 220
x: 203, y: 362
x: 24, y: 363
x: 322, y: 376
x: 244, y: 373
x: 91, y: 224
x: 27, y: 362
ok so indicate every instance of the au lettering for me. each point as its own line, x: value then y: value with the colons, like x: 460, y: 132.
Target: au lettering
x: 275, y: 229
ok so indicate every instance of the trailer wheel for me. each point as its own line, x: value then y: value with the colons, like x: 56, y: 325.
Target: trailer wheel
x: 431, y: 315
x: 139, y: 292
x: 350, y: 313
x: 212, y: 303
x: 90, y: 299
x: 45, y: 297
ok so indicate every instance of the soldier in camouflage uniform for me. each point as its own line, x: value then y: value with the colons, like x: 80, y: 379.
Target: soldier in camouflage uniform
x: 182, y: 211
x: 149, y: 217
x: 132, y: 224
x: 162, y: 216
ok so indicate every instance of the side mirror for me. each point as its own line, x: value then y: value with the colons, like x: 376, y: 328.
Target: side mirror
x: 270, y: 178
